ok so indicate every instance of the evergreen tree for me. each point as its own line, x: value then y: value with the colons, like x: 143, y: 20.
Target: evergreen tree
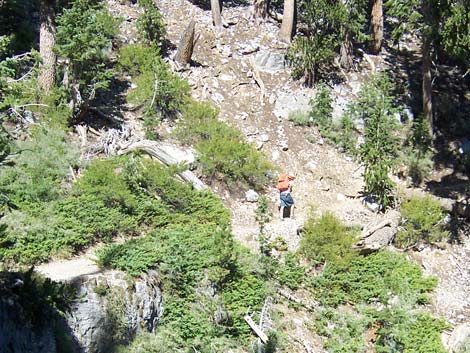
x: 375, y: 107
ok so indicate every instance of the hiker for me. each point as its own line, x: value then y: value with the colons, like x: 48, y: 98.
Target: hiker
x: 284, y: 185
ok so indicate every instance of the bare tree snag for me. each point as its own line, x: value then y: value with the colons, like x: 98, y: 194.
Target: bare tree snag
x: 288, y: 21
x: 186, y: 45
x: 46, y: 44
x: 346, y: 51
x: 377, y: 26
x: 216, y: 16
x: 291, y: 297
x: 256, y: 329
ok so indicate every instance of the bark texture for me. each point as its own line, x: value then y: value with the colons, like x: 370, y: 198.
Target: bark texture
x: 346, y: 51
x: 261, y: 9
x: 186, y: 45
x: 288, y: 21
x: 377, y: 26
x: 426, y: 69
x: 216, y: 16
x: 46, y: 45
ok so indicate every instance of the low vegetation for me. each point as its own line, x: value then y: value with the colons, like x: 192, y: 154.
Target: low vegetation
x: 423, y: 222
x: 221, y: 148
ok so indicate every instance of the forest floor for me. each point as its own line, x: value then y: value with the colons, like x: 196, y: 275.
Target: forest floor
x: 256, y: 95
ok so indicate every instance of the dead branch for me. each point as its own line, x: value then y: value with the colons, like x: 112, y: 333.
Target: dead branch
x: 259, y: 81
x: 367, y: 232
x: 257, y: 330
x: 291, y: 297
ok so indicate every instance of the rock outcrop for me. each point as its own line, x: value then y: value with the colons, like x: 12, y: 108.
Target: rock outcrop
x: 110, y: 307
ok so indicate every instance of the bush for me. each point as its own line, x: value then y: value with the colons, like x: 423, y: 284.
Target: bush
x: 159, y: 91
x: 377, y: 277
x: 39, y: 167
x: 326, y: 240
x: 84, y: 34
x: 151, y: 25
x: 322, y: 109
x: 299, y: 118
x: 422, y: 222
x: 221, y: 148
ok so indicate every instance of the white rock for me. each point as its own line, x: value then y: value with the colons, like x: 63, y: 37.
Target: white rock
x: 340, y: 197
x: 275, y: 155
x: 311, y: 166
x: 264, y: 138
x: 251, y: 196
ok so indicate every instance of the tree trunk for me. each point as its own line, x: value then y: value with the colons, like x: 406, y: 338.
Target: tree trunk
x: 46, y: 77
x: 260, y: 9
x: 377, y: 26
x: 186, y: 46
x: 426, y: 70
x: 288, y: 22
x: 346, y: 50
x: 216, y: 16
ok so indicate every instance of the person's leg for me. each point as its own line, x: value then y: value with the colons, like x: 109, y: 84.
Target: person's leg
x: 292, y: 211
x: 281, y: 212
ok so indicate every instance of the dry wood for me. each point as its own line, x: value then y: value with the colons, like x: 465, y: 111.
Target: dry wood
x: 289, y: 296
x: 368, y: 231
x: 256, y: 329
x: 156, y: 150
x: 304, y: 343
x: 186, y: 45
x: 259, y: 81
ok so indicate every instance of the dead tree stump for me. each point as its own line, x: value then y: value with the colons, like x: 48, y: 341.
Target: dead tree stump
x: 186, y: 45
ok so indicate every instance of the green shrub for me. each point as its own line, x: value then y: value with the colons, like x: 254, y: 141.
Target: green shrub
x: 326, y: 240
x: 321, y: 113
x: 151, y: 25
x: 300, y: 118
x: 40, y: 166
x: 84, y: 34
x: 161, y: 93
x: 290, y: 273
x: 344, y: 331
x: 221, y: 148
x: 423, y: 217
x: 377, y: 277
x: 409, y: 333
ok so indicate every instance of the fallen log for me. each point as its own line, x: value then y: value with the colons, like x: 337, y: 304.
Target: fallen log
x: 256, y: 329
x: 158, y: 151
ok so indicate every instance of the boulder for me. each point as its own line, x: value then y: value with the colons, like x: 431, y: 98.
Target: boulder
x: 454, y: 341
x: 379, y: 233
x: 251, y: 196
x: 269, y: 62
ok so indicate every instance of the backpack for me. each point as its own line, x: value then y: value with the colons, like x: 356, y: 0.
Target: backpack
x: 283, y: 182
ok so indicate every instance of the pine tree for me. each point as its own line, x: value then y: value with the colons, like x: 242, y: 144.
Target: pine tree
x: 46, y: 77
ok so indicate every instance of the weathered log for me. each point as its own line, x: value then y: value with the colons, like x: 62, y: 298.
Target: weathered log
x: 158, y: 151
x: 291, y: 297
x: 256, y: 329
x: 186, y: 45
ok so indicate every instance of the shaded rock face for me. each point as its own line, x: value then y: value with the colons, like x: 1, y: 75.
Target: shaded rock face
x: 111, y: 308
x: 16, y: 337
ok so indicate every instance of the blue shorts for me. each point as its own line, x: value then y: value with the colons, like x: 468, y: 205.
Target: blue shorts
x: 286, y: 199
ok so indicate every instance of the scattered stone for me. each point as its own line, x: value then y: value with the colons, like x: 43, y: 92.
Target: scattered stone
x: 371, y: 203
x: 259, y: 145
x: 248, y: 48
x: 340, y: 197
x: 283, y: 145
x: 452, y: 341
x: 226, y: 77
x: 217, y: 97
x: 264, y: 138
x: 288, y: 102
x: 133, y: 86
x: 251, y: 196
x: 269, y: 62
x: 311, y: 166
x: 320, y: 141
x: 275, y: 155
